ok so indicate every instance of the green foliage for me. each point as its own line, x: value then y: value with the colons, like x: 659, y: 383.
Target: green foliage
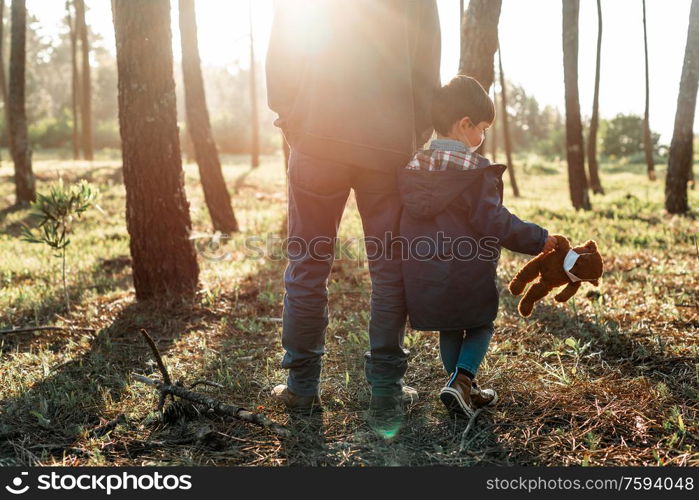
x: 532, y: 128
x: 57, y: 211
x: 52, y: 132
x: 622, y: 136
x: 106, y: 134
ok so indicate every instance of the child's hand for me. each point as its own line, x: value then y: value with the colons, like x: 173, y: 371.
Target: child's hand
x: 550, y: 244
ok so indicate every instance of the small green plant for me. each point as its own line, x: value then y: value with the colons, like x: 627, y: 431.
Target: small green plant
x: 56, y: 213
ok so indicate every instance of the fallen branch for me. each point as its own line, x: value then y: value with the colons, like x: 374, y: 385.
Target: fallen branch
x: 207, y: 382
x: 219, y: 408
x: 471, y: 421
x: 161, y: 367
x: 28, y: 329
x: 108, y: 427
x: 158, y: 358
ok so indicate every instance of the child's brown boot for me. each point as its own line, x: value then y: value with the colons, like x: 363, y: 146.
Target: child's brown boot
x: 462, y: 396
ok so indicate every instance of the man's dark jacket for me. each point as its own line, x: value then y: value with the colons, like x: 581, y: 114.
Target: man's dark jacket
x: 352, y: 81
x: 454, y: 216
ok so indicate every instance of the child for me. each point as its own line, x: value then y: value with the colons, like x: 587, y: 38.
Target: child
x: 455, y: 224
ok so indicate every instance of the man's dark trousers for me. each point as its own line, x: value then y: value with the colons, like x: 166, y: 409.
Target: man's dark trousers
x: 318, y: 191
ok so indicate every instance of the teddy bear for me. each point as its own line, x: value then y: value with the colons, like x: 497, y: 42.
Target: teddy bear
x: 562, y: 266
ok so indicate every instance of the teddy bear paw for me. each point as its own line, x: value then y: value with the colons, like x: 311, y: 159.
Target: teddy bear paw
x: 516, y: 287
x: 525, y: 308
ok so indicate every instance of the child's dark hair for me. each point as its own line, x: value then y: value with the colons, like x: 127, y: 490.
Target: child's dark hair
x: 462, y: 96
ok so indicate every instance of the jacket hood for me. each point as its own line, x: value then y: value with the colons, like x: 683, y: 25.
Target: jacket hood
x: 426, y: 193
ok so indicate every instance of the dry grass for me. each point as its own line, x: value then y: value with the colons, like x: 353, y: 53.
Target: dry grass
x: 610, y: 378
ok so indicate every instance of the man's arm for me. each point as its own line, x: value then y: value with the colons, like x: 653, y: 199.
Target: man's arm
x: 286, y: 61
x: 426, y: 59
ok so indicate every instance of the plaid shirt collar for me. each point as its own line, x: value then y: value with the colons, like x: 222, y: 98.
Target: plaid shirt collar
x: 446, y: 154
x: 448, y: 145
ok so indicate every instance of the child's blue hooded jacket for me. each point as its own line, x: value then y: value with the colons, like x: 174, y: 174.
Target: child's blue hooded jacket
x: 455, y: 223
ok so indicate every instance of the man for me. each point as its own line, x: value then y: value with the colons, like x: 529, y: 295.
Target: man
x: 352, y: 84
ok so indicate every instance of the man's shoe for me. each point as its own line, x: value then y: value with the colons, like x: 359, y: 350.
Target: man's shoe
x: 407, y: 397
x: 462, y: 396
x: 296, y: 402
x: 386, y: 414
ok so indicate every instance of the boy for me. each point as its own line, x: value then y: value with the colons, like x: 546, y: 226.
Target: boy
x: 455, y: 222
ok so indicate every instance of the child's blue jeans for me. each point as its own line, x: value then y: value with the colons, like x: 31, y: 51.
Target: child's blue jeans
x: 465, y: 349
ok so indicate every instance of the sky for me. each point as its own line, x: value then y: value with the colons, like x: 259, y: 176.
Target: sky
x: 530, y: 39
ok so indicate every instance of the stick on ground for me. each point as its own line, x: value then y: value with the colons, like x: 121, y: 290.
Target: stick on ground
x: 222, y: 409
x: 46, y: 328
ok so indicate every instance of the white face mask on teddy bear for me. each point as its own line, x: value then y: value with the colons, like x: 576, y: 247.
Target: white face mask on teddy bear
x: 568, y: 262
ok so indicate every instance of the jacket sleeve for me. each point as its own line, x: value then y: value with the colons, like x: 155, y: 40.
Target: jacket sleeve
x: 286, y: 59
x: 426, y: 59
x: 491, y: 218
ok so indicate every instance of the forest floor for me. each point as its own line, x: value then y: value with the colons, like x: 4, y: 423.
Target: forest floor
x: 609, y: 378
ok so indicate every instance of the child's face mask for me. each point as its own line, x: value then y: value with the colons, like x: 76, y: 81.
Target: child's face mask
x: 473, y: 149
x: 469, y: 137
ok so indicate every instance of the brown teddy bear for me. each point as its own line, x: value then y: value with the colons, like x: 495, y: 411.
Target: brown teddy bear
x: 562, y: 266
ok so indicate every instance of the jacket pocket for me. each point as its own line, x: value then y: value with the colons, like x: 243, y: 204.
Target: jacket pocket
x: 432, y: 270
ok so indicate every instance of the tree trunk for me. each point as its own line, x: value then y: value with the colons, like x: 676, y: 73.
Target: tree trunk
x: 75, y: 85
x: 461, y: 31
x: 287, y: 152
x: 157, y: 211
x: 199, y: 126
x: 3, y: 85
x: 3, y: 78
x: 682, y: 147
x: 577, y: 181
x: 479, y: 40
x: 592, y: 163
x: 647, y: 144
x: 254, y: 119
x: 86, y: 88
x: 493, y: 135
x: 506, y: 128
x: 25, y: 187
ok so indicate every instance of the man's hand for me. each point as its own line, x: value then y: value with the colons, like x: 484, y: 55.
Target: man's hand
x: 550, y: 244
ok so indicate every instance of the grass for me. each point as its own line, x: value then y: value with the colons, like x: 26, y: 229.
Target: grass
x: 609, y: 378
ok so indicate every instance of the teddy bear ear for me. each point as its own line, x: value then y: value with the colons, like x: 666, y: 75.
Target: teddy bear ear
x: 591, y: 244
x: 563, y: 242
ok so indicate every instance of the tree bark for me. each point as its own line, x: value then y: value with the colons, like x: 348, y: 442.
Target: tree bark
x: 577, y: 180
x: 157, y: 211
x: 3, y: 84
x: 681, y: 146
x: 592, y: 164
x: 75, y: 82
x: 647, y: 144
x: 3, y: 78
x: 25, y: 185
x: 216, y: 195
x: 254, y: 118
x: 461, y: 31
x: 286, y: 151
x: 493, y: 135
x: 86, y: 87
x: 506, y: 129
x: 479, y: 40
